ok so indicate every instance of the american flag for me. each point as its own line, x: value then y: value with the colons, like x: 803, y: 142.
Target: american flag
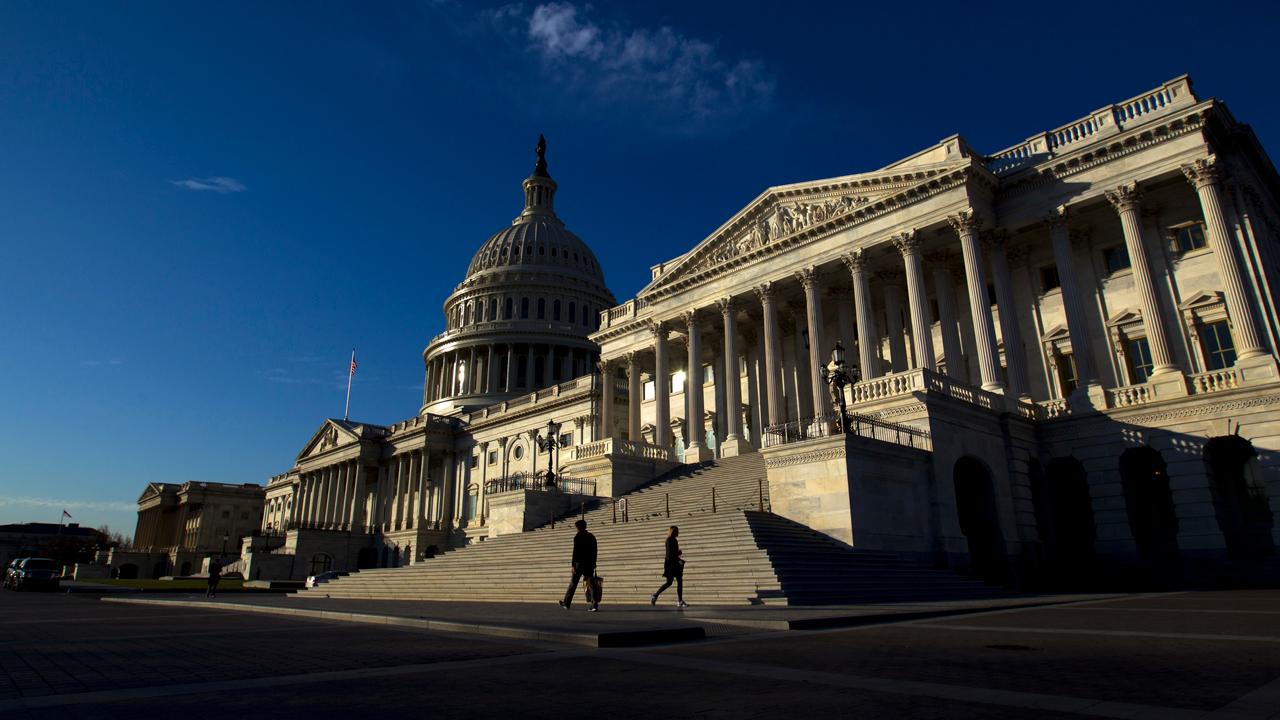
x: 353, y: 363
x: 66, y: 514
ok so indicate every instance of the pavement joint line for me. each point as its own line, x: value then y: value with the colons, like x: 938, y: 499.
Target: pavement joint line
x: 1113, y: 633
x: 220, y: 686
x: 915, y: 688
x: 151, y: 636
x: 589, y: 639
x: 1175, y: 610
x: 95, y: 620
x: 1263, y: 701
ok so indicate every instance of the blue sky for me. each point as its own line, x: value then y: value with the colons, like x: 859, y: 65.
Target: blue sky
x: 203, y: 207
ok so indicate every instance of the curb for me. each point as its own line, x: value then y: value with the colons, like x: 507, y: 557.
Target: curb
x: 608, y: 639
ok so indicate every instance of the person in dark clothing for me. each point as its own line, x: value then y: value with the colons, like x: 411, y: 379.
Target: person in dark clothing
x: 672, y: 569
x: 215, y: 574
x: 584, y: 565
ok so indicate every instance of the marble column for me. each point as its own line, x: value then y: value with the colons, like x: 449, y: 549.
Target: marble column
x: 893, y: 327
x: 732, y: 444
x: 1206, y: 176
x: 661, y: 386
x: 511, y: 368
x: 772, y: 353
x: 867, y: 337
x: 607, y: 385
x: 1072, y: 301
x: 1126, y: 200
x: 813, y: 316
x: 354, y: 513
x: 528, y: 369
x: 695, y: 418
x: 549, y: 367
x: 635, y: 394
x: 921, y: 328
x: 1010, y: 333
x: 424, y: 489
x: 491, y: 369
x: 966, y: 226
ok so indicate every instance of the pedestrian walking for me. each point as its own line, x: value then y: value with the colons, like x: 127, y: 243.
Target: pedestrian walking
x: 584, y: 566
x: 672, y: 569
x: 215, y: 574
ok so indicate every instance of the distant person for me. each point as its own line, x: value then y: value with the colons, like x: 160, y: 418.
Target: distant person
x: 672, y: 569
x: 215, y: 574
x: 584, y: 565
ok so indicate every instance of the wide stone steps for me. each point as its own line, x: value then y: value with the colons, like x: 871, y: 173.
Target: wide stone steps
x: 736, y: 553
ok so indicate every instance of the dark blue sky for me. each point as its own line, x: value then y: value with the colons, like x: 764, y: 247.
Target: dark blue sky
x: 203, y: 207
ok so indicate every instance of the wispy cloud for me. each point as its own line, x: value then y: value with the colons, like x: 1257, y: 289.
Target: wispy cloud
x: 100, y: 363
x: 685, y: 79
x: 55, y: 503
x: 218, y: 184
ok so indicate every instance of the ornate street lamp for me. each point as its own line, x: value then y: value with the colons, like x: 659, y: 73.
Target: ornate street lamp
x: 837, y: 376
x: 225, y: 538
x: 549, y: 444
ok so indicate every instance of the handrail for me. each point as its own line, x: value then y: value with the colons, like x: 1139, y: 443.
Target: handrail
x: 827, y: 425
x: 541, y: 481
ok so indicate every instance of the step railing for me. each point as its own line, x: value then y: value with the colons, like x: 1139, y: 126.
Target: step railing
x: 827, y: 425
x: 543, y: 480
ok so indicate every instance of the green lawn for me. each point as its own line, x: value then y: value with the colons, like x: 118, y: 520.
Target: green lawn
x: 170, y: 584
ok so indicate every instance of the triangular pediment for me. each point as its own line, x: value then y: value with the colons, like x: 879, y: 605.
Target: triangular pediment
x: 332, y: 434
x: 1203, y: 298
x: 1125, y: 317
x: 1057, y: 333
x: 780, y: 215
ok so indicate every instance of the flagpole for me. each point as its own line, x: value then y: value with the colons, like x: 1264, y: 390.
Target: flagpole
x: 351, y: 372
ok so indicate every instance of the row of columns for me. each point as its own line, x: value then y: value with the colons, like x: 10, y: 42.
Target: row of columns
x: 454, y: 373
x: 404, y: 495
x: 1204, y: 176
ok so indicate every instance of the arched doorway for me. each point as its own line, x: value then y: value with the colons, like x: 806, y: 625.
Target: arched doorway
x: 186, y: 568
x: 366, y: 558
x: 320, y: 562
x: 128, y: 571
x: 386, y: 557
x: 980, y: 520
x: 1239, y: 497
x: 1152, y: 518
x: 160, y: 569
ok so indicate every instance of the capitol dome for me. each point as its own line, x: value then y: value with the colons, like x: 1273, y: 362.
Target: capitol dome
x: 520, y: 318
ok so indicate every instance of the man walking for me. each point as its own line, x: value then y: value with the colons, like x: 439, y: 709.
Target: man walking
x: 215, y: 574
x: 584, y: 566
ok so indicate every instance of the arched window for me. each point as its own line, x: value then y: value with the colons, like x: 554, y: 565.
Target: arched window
x: 542, y: 308
x: 573, y: 314
x: 1153, y: 519
x: 493, y: 309
x: 586, y: 311
x: 979, y: 519
x: 509, y: 310
x: 555, y: 310
x: 524, y: 308
x: 480, y: 311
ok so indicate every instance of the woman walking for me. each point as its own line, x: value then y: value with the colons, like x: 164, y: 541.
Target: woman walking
x: 672, y: 569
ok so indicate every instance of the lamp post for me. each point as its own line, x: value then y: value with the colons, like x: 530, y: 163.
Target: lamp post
x: 550, y: 444
x: 225, y: 538
x: 837, y: 376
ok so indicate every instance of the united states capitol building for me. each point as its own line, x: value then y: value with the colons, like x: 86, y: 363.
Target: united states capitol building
x: 1055, y: 360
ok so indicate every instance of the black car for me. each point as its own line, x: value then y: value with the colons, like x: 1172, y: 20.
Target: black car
x: 35, y: 574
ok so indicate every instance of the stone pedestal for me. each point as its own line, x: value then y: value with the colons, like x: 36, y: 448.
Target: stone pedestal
x: 734, y: 447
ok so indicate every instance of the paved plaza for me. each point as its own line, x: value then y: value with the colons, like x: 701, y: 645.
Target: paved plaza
x: 1169, y: 656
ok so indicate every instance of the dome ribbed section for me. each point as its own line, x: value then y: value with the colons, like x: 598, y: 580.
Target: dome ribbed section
x: 537, y: 243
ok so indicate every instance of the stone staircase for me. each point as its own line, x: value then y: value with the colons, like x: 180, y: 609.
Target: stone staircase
x: 736, y: 554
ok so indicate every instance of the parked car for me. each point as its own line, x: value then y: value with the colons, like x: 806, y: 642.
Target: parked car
x: 36, y: 574
x: 322, y: 578
x: 10, y: 570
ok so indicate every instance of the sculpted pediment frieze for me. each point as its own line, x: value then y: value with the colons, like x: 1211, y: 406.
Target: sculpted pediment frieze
x: 330, y: 436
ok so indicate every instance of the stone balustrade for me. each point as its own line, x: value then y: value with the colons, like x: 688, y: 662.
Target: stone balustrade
x: 1213, y: 381
x: 1129, y: 395
x: 619, y: 447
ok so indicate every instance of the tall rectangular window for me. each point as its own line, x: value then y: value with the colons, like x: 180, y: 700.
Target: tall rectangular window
x: 649, y: 390
x: 1115, y: 259
x: 1139, y: 360
x: 471, y: 507
x: 1188, y: 238
x: 1049, y: 278
x: 1067, y: 376
x: 677, y: 382
x: 1219, y: 349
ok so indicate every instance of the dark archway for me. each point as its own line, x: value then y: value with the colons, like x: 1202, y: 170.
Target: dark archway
x: 386, y: 557
x: 980, y: 520
x: 1239, y: 497
x: 1067, y: 525
x: 431, y: 552
x: 367, y: 558
x: 408, y: 554
x: 1152, y: 518
x: 320, y: 562
x: 160, y: 569
x: 186, y: 568
x: 128, y: 571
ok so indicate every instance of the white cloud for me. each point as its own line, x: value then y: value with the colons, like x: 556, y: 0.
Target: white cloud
x: 662, y: 70
x: 69, y: 505
x: 219, y: 184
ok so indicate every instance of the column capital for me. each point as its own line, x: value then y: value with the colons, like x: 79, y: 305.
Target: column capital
x: 502, y: 442
x: 603, y: 366
x: 633, y: 361
x: 994, y: 239
x: 907, y: 243
x: 889, y: 276
x: 727, y: 306
x: 1125, y: 197
x: 856, y: 261
x: 808, y: 277
x: 1080, y: 237
x: 965, y: 221
x: 690, y: 318
x: 1056, y: 217
x: 766, y: 291
x: 943, y: 257
x: 658, y: 329
x: 1016, y: 255
x: 1203, y: 172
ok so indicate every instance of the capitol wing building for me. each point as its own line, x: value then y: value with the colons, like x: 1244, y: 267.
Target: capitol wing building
x: 1056, y: 359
